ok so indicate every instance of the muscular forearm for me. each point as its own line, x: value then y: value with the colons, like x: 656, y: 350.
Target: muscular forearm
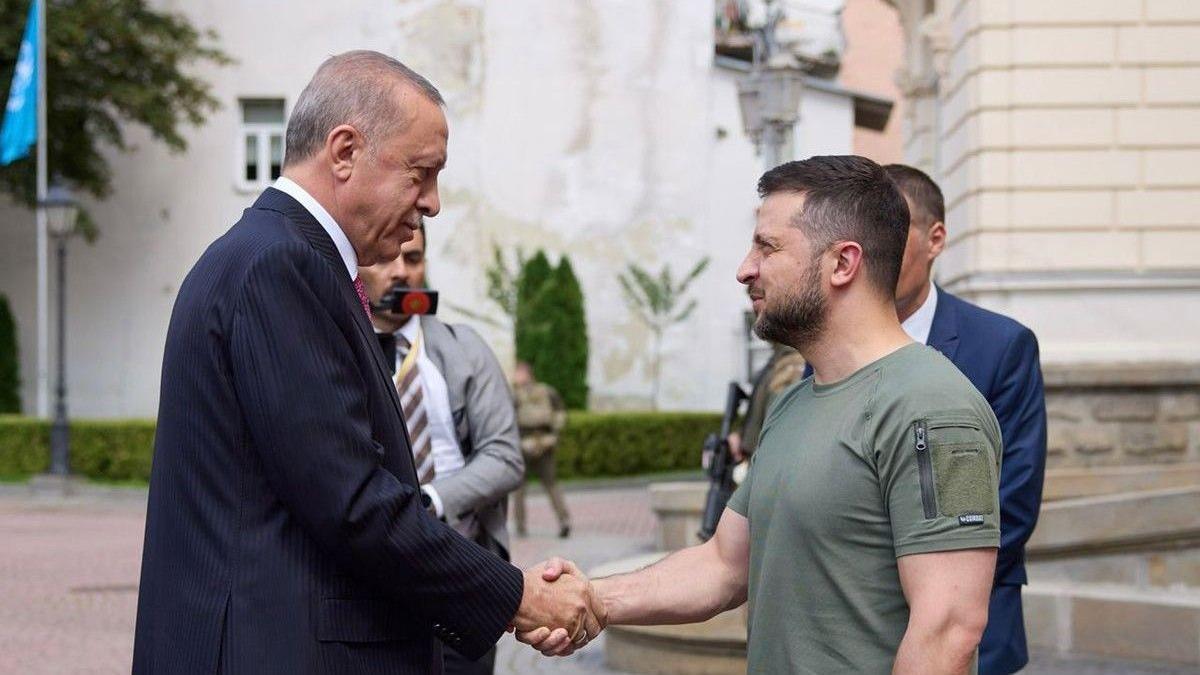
x: 691, y: 585
x: 938, y: 650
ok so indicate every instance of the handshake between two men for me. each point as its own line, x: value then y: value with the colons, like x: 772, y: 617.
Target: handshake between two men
x: 560, y: 611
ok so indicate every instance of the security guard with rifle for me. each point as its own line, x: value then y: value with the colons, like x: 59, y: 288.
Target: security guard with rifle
x: 726, y: 451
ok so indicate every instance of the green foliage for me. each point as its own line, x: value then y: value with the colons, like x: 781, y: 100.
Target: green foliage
x: 550, y: 332
x: 10, y: 376
x: 502, y: 281
x: 108, y: 62
x: 632, y: 443
x: 591, y: 445
x: 24, y: 445
x: 118, y: 450
x: 545, y: 307
x: 531, y: 331
x: 656, y: 300
x: 564, y: 363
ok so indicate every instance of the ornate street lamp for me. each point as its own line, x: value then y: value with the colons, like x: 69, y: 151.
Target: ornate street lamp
x: 769, y: 96
x: 62, y: 211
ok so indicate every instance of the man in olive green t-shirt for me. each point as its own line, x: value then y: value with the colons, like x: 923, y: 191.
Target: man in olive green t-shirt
x: 865, y: 535
x: 897, y: 459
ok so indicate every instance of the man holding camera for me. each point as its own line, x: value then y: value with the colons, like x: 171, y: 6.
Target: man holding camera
x: 456, y: 405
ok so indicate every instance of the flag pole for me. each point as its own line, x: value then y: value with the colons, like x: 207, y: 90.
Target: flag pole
x: 43, y: 239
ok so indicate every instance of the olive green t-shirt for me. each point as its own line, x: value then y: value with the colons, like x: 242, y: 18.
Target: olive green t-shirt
x: 901, y: 457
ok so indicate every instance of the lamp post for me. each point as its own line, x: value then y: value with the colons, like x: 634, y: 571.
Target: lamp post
x: 769, y: 96
x: 61, y: 212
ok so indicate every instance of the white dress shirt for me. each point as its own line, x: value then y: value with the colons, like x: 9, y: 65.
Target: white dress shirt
x: 289, y: 187
x: 921, y: 322
x: 447, y: 455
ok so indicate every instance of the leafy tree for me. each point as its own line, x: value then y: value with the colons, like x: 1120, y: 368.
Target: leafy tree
x: 531, y: 332
x: 544, y: 304
x: 656, y: 300
x: 108, y: 63
x: 564, y: 363
x: 10, y: 380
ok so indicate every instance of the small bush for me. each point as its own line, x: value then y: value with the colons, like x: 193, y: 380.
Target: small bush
x: 564, y: 364
x: 531, y: 330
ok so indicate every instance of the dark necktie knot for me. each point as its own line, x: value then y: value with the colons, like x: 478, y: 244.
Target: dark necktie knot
x: 393, y: 345
x: 387, y: 343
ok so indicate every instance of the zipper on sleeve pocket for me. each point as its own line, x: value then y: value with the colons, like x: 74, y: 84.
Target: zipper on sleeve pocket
x: 925, y: 469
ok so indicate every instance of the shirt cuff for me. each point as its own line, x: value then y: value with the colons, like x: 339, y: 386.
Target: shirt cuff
x: 435, y: 499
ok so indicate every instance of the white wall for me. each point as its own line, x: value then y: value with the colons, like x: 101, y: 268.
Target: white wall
x: 583, y: 127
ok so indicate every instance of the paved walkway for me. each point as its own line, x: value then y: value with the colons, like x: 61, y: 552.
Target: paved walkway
x: 68, y: 580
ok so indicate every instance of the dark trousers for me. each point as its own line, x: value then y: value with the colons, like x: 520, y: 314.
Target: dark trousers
x: 456, y: 664
x: 1002, y: 650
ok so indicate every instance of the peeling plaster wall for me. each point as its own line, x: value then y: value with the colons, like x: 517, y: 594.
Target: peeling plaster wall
x: 596, y: 128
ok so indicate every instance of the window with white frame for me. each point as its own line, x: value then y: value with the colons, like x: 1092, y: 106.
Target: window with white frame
x: 261, y: 142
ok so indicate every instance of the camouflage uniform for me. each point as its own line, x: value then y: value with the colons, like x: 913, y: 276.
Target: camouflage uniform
x: 785, y: 368
x: 541, y: 415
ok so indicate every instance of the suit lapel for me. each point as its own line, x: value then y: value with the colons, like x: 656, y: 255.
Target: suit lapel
x: 318, y: 238
x: 438, y: 345
x: 943, y: 334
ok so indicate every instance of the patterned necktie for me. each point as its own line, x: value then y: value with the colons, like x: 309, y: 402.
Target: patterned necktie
x: 362, y: 296
x: 412, y: 400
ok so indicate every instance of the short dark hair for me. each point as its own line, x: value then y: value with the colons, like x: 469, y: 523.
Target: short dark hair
x: 848, y: 198
x: 928, y: 204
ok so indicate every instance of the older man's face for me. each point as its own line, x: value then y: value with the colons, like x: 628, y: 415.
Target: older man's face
x: 395, y: 183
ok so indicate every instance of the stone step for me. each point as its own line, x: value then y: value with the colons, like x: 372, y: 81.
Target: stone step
x: 1114, y: 621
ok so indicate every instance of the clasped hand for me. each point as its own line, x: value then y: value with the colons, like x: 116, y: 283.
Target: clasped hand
x: 559, y: 610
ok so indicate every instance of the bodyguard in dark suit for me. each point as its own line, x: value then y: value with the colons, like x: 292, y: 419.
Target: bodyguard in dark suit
x: 1000, y: 357
x: 285, y: 530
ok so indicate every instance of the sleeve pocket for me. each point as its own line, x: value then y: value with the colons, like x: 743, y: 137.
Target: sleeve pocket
x: 963, y: 468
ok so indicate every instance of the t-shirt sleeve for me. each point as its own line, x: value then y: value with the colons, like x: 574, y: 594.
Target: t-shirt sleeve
x: 939, y: 475
x: 740, y: 500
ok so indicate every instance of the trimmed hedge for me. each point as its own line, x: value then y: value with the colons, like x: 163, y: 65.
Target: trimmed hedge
x: 630, y: 443
x: 592, y: 445
x: 118, y: 450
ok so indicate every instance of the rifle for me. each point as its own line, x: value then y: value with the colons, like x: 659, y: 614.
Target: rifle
x: 718, y: 463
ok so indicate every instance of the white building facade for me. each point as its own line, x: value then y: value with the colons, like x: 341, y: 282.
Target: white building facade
x: 602, y: 130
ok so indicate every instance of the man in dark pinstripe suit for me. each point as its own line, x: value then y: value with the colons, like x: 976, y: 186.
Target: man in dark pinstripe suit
x: 285, y: 530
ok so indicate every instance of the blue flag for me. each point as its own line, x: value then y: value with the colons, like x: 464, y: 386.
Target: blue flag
x: 20, y: 115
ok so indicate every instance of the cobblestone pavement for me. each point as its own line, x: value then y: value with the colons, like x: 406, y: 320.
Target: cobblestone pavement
x: 68, y: 580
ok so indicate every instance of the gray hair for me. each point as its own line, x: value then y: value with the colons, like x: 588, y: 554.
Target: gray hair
x: 353, y: 88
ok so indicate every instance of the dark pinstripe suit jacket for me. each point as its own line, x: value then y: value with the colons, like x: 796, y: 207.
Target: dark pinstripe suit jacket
x: 285, y: 532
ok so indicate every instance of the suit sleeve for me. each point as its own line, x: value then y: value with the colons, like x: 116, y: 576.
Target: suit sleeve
x: 304, y: 399
x: 496, y: 466
x: 1020, y: 404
